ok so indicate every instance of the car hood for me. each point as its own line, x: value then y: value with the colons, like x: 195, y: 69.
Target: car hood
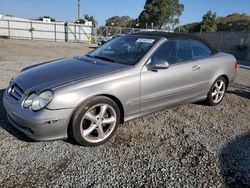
x: 60, y: 72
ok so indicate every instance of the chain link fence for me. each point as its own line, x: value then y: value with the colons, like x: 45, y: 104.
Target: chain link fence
x: 237, y: 43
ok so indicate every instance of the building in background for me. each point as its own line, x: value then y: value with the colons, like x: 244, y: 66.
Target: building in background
x: 10, y: 17
x: 44, y: 28
x: 44, y: 19
x: 88, y: 23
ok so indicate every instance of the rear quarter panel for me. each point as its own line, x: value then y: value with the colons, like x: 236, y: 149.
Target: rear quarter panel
x: 226, y: 66
x: 218, y: 65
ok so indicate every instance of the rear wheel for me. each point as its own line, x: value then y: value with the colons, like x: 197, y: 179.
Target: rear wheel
x: 217, y: 92
x: 95, y: 121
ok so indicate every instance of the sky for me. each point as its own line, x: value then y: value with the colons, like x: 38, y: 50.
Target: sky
x: 101, y: 10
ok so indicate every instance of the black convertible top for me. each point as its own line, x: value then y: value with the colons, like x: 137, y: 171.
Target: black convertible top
x: 169, y: 35
x: 165, y: 34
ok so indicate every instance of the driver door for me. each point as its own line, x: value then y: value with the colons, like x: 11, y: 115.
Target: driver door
x: 176, y: 84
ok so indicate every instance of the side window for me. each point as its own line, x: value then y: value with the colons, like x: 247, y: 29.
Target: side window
x: 184, y: 50
x: 167, y: 52
x: 174, y: 51
x: 200, y: 50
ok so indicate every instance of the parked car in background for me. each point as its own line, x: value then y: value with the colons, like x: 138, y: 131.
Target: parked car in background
x: 108, y: 38
x: 88, y: 96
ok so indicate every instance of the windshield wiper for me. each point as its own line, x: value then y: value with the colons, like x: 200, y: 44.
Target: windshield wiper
x: 103, y: 58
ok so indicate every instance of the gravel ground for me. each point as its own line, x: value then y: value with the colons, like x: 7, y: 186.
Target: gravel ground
x: 187, y: 146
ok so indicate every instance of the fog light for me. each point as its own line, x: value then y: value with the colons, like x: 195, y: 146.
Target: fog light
x: 52, y: 121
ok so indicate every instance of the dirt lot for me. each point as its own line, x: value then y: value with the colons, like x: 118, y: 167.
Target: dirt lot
x: 187, y: 146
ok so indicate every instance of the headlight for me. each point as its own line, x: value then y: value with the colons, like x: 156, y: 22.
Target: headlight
x: 37, y: 102
x: 28, y: 102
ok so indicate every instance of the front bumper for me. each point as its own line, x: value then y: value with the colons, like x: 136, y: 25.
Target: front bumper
x: 42, y: 125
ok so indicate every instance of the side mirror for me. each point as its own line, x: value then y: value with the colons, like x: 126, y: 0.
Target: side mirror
x: 161, y: 64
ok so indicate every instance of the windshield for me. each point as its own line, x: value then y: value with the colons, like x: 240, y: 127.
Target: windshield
x: 124, y: 49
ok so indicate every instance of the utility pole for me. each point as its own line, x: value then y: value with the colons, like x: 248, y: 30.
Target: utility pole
x: 78, y: 9
x: 78, y: 19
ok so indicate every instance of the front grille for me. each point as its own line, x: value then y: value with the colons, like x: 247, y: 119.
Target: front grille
x: 15, y: 91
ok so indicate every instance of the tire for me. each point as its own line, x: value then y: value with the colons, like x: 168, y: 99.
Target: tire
x: 95, y: 121
x: 217, y: 92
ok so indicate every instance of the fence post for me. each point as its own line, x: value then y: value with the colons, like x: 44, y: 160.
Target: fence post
x: 55, y: 31
x: 248, y: 38
x: 75, y: 33
x: 95, y: 33
x: 201, y: 29
x: 79, y: 33
x: 248, y: 43
x: 219, y: 45
x: 31, y: 30
x: 9, y: 28
x: 66, y: 31
x: 107, y: 31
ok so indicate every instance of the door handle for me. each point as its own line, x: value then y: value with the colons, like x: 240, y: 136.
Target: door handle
x: 196, y: 67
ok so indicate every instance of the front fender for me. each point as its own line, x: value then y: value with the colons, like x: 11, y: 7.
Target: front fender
x: 125, y: 87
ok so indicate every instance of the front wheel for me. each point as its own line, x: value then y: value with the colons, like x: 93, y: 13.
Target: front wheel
x: 95, y: 121
x: 217, y: 92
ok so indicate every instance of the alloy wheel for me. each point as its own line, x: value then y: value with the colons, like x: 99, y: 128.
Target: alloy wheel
x: 218, y: 91
x: 98, y: 123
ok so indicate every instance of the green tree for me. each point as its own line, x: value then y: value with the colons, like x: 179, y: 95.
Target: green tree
x: 192, y: 27
x: 91, y: 18
x: 119, y: 21
x: 80, y: 21
x: 209, y: 22
x: 88, y: 18
x: 161, y: 12
x: 134, y: 23
x: 234, y: 22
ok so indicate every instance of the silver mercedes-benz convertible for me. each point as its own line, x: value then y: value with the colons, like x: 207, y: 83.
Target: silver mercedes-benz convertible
x: 88, y: 96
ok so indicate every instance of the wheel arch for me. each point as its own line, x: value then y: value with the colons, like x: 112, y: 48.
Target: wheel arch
x: 118, y: 102
x: 112, y: 97
x: 226, y: 79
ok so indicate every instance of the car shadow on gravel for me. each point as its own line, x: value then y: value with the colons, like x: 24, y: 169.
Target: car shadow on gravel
x: 234, y: 162
x: 4, y: 123
x: 240, y: 90
x: 240, y: 93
